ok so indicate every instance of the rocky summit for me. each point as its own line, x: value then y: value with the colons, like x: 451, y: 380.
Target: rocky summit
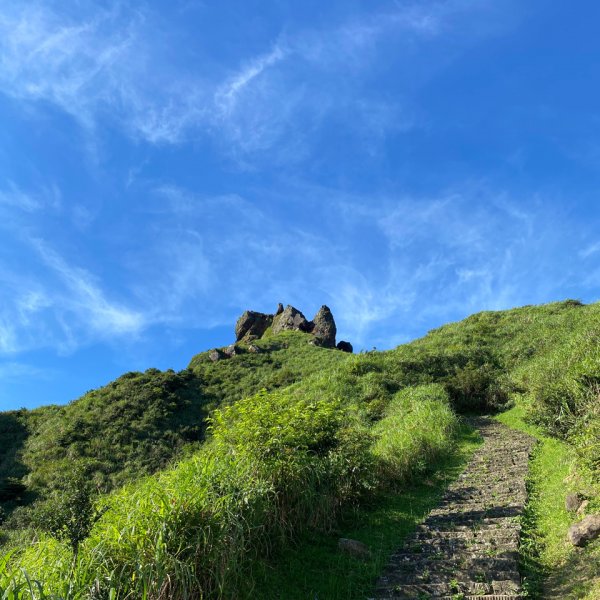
x: 253, y: 325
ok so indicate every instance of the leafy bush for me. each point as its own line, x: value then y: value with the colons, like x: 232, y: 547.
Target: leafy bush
x: 416, y: 431
x: 69, y: 512
x: 477, y: 388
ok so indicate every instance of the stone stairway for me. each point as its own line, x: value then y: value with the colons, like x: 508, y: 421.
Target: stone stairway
x: 468, y: 547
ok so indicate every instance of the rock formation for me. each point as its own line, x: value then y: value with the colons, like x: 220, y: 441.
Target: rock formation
x: 585, y: 531
x: 253, y: 325
x: 324, y: 328
x: 291, y: 319
x: 215, y: 355
x: 573, y: 502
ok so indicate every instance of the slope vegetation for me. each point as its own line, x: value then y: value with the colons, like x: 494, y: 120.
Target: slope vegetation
x: 137, y: 424
x: 176, y: 516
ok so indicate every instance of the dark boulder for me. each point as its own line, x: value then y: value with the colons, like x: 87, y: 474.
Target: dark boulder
x: 279, y: 309
x: 291, y: 319
x: 324, y: 328
x: 345, y: 346
x: 585, y: 531
x: 252, y: 325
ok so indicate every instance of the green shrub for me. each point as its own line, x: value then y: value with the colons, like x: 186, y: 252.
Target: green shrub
x: 476, y: 388
x: 416, y: 431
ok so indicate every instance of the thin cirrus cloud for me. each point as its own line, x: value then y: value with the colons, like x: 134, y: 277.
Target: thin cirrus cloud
x: 194, y: 260
x: 52, y: 303
x: 101, y: 64
x: 466, y: 250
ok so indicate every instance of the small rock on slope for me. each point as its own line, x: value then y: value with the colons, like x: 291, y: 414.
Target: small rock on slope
x: 585, y: 531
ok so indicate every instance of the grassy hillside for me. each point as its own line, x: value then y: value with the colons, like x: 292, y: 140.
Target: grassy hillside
x: 330, y: 433
x: 137, y: 424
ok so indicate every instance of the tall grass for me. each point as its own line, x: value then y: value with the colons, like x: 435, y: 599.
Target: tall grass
x: 277, y: 464
x: 417, y: 429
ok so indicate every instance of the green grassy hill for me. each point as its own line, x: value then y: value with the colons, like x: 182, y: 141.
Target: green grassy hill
x: 137, y: 424
x: 181, y: 485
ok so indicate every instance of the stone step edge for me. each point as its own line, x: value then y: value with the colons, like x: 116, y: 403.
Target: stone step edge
x: 467, y: 597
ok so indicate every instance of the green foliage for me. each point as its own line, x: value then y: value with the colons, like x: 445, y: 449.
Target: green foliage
x: 130, y: 427
x: 328, y: 433
x: 69, y: 512
x: 283, y: 359
x: 417, y: 430
x: 137, y: 424
x: 477, y: 388
x: 315, y: 568
x: 277, y: 464
x: 552, y: 567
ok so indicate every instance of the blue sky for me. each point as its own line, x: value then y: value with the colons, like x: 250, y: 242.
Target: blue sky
x: 164, y: 166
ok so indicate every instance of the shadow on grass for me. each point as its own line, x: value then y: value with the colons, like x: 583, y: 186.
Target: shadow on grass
x: 314, y: 569
x: 13, y: 434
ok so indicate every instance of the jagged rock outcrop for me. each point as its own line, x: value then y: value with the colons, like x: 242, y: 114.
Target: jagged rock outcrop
x: 324, y: 328
x: 291, y: 319
x: 231, y: 350
x: 252, y: 325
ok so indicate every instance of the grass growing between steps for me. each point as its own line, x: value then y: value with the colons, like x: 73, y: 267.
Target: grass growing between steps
x: 552, y: 567
x: 314, y: 569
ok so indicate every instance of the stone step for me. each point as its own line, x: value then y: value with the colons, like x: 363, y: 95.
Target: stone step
x: 475, y: 513
x: 468, y: 546
x: 404, y: 564
x: 453, y: 549
x: 428, y: 576
x: 487, y: 524
x: 449, y: 588
x: 489, y: 536
x: 464, y: 597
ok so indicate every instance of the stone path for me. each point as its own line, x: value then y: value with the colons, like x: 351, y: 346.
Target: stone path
x: 467, y: 548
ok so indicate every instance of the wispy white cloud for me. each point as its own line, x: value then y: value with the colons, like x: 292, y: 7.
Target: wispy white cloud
x: 17, y: 370
x: 102, y: 64
x: 590, y: 250
x: 86, y: 301
x: 14, y: 197
x: 388, y: 266
x: 227, y: 95
x: 48, y: 302
x: 465, y: 250
x: 70, y: 63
